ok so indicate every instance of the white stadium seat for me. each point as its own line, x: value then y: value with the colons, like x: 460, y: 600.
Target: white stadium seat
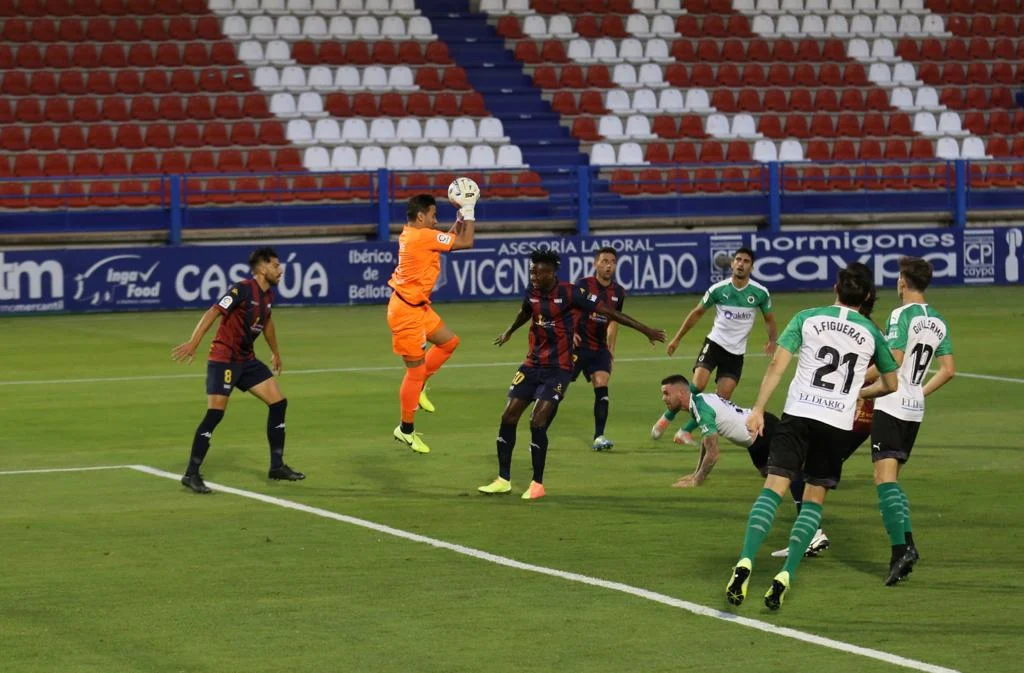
x: 344, y: 159
x: 354, y: 131
x: 316, y: 159
x: 510, y: 156
x: 409, y: 131
x: 299, y: 132
x: 765, y: 151
x: 372, y: 157
x: 454, y: 157
x: 602, y: 154
x: 283, y: 105
x: 427, y: 157
x: 399, y: 158
x: 482, y: 156
x: 311, y: 105
x: 630, y: 154
x: 382, y: 131
x: 327, y: 132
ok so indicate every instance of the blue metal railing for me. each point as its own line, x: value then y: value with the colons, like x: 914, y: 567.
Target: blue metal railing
x: 580, y: 194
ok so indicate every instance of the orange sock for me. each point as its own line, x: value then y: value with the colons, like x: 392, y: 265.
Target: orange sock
x: 438, y: 355
x: 409, y: 392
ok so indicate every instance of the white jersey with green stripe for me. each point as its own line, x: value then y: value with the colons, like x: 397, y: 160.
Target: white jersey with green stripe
x: 921, y: 333
x: 835, y: 345
x: 735, y: 310
x: 715, y: 415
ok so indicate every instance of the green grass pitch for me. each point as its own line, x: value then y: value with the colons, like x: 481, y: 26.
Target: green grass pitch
x: 121, y: 571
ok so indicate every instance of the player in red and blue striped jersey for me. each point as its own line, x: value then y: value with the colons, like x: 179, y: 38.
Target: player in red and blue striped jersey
x: 596, y: 339
x: 554, y: 310
x: 244, y: 313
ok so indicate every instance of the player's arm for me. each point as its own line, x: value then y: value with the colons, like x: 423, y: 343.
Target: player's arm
x: 773, y: 333
x: 270, y: 334
x: 521, y: 319
x: 613, y: 334
x: 887, y: 364
x: 692, y: 318
x: 708, y: 458
x: 186, y: 352
x: 463, y: 231
x: 947, y: 370
x: 654, y: 335
x: 772, y: 377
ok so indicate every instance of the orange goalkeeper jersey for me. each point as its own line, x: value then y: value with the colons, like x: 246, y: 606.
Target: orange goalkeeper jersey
x: 419, y: 263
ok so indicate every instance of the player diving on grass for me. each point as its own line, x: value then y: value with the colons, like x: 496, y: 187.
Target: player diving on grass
x: 833, y: 345
x: 411, y: 318
x: 596, y: 340
x: 917, y: 333
x: 554, y: 310
x: 716, y: 417
x: 244, y: 313
x: 736, y: 303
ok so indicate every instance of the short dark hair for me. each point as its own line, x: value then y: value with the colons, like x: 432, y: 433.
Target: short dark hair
x: 855, y: 284
x: 607, y: 250
x: 421, y: 203
x: 916, y: 272
x: 745, y: 251
x: 675, y: 380
x: 545, y: 256
x: 264, y: 254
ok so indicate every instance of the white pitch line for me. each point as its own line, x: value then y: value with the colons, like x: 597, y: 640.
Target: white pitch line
x: 392, y: 368
x: 646, y: 594
x: 66, y: 469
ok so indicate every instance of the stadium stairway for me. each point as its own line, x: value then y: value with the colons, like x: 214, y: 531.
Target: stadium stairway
x: 510, y: 95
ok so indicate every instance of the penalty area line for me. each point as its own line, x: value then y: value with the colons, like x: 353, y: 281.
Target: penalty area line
x: 638, y: 592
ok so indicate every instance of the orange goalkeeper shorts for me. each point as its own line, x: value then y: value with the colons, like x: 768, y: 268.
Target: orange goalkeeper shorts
x: 410, y: 326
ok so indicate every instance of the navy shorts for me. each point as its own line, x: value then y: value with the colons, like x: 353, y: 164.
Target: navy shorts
x: 587, y: 362
x: 222, y: 377
x: 540, y: 383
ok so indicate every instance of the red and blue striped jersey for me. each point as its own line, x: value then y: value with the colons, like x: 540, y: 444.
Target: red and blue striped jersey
x: 245, y: 309
x: 554, y: 317
x: 593, y: 330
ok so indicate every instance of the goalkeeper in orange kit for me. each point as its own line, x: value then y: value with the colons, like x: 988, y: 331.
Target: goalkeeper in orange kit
x: 411, y: 318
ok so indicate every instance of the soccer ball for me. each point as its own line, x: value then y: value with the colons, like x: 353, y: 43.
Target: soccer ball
x: 460, y: 189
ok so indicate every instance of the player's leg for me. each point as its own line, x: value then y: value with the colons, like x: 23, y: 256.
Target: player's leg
x: 725, y: 384
x: 600, y: 381
x: 220, y: 381
x: 269, y: 392
x: 886, y: 453
x: 407, y: 337
x: 822, y: 470
x: 785, y: 460
x: 445, y: 342
x: 540, y: 420
x: 520, y: 395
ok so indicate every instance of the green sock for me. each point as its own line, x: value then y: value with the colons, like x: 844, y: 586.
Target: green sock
x: 670, y: 415
x: 906, y: 512
x: 890, y: 503
x: 806, y: 524
x: 690, y: 426
x: 762, y: 514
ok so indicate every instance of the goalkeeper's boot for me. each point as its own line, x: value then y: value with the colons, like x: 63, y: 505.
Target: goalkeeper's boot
x: 777, y: 592
x: 534, y: 492
x: 425, y: 403
x: 660, y: 427
x: 413, y: 440
x: 195, y: 482
x: 602, y: 443
x: 736, y: 590
x: 285, y: 473
x: 496, y: 487
x: 683, y: 437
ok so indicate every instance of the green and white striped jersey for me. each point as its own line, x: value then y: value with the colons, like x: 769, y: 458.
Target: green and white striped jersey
x: 735, y: 310
x: 834, y: 346
x: 921, y: 333
x: 716, y: 415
